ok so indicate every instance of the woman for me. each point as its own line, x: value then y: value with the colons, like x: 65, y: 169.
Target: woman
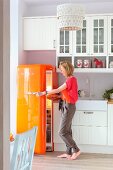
x: 69, y: 91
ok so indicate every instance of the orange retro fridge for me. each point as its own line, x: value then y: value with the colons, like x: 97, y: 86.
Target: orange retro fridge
x: 32, y: 110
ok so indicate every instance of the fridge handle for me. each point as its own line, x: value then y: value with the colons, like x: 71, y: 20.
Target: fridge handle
x: 50, y: 67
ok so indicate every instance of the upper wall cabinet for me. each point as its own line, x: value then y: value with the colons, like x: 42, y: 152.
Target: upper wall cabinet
x: 40, y: 33
x: 64, y: 46
x: 91, y: 40
x: 81, y: 40
x: 110, y: 35
x: 110, y: 41
x: 89, y: 49
x: 98, y: 35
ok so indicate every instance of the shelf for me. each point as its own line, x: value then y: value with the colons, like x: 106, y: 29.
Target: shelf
x: 91, y: 70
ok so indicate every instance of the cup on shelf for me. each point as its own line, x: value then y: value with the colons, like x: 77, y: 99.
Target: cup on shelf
x: 79, y: 63
x: 86, y: 63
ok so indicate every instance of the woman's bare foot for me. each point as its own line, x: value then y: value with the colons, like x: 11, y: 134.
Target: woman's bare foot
x: 75, y: 155
x: 65, y: 155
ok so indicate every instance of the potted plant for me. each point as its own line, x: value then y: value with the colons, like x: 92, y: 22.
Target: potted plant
x: 108, y: 94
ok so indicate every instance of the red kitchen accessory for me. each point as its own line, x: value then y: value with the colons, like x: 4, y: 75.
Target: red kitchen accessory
x: 86, y: 63
x: 79, y: 63
x: 98, y: 63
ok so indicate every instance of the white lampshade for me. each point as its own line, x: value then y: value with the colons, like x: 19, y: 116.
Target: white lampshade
x: 70, y: 16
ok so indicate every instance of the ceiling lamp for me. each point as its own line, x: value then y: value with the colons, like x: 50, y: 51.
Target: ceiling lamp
x: 70, y: 16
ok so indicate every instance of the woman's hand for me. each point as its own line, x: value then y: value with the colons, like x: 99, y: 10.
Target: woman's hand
x: 54, y: 97
x: 38, y: 94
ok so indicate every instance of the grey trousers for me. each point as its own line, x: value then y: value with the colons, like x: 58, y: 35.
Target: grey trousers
x: 65, y: 131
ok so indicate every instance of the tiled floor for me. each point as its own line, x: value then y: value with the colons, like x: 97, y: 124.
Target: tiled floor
x: 84, y: 162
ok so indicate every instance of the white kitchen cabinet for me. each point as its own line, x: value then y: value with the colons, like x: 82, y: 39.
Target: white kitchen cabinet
x: 110, y: 124
x: 90, y: 118
x: 90, y: 135
x: 110, y: 35
x: 110, y: 42
x: 40, y: 33
x: 91, y: 126
x: 81, y: 40
x: 98, y: 36
x: 64, y: 46
x: 89, y: 43
x: 92, y: 39
x: 90, y: 122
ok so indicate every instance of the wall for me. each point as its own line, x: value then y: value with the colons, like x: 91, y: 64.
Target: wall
x: 13, y: 60
x: 91, y: 8
x: 47, y: 57
x: 4, y: 84
x: 87, y: 82
x: 17, y: 55
x: 22, y: 8
x: 97, y: 83
x: 43, y: 57
x: 93, y: 83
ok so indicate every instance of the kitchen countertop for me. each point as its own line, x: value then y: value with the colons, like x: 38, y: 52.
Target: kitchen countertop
x: 110, y: 101
x: 90, y: 98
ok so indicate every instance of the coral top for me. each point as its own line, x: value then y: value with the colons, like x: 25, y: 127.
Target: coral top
x: 70, y: 94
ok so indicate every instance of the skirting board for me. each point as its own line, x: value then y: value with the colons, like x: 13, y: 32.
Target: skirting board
x: 87, y: 148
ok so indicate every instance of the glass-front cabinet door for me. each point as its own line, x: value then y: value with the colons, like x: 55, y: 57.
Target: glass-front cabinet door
x: 110, y: 42
x: 64, y: 43
x: 98, y: 36
x: 80, y: 40
x: 110, y: 35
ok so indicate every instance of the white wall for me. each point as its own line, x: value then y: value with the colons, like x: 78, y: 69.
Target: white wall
x: 21, y: 12
x: 13, y: 60
x: 91, y: 8
x: 17, y: 8
x: 93, y: 83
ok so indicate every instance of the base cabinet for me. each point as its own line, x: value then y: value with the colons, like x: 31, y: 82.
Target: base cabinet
x: 90, y: 127
x: 110, y: 124
x: 90, y: 135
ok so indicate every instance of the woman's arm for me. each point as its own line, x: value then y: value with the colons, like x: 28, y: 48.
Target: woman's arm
x: 53, y: 91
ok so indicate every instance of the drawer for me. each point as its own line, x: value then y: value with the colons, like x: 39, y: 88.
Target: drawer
x: 90, y: 118
x: 90, y: 135
x: 91, y: 105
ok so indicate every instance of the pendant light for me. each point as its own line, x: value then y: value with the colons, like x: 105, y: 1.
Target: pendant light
x: 70, y: 16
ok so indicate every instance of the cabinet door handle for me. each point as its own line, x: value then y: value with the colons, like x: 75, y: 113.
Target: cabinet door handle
x: 54, y: 44
x: 88, y: 112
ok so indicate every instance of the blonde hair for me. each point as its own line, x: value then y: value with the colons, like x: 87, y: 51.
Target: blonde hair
x: 68, y: 67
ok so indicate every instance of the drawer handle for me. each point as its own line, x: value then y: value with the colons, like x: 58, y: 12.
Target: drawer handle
x: 88, y: 112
